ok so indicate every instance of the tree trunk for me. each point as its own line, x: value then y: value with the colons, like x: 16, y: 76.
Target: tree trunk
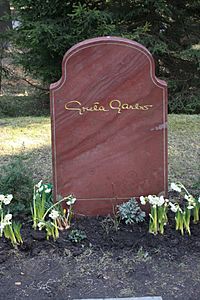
x: 4, y: 26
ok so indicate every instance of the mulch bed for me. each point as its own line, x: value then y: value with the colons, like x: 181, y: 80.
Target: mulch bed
x: 108, y: 263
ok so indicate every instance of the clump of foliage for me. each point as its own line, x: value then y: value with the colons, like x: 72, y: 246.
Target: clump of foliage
x: 130, y: 212
x: 111, y: 223
x: 77, y: 236
x: 183, y: 208
x: 48, y: 215
x: 158, y: 214
x: 169, y: 29
x: 15, y: 179
x: 8, y: 228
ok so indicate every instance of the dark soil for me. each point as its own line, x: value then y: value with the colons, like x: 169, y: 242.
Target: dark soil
x: 109, y: 263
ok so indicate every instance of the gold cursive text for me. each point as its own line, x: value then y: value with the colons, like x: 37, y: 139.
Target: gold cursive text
x: 112, y: 105
x: 76, y: 105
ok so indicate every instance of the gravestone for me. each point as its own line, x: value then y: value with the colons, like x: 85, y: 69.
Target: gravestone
x: 109, y: 117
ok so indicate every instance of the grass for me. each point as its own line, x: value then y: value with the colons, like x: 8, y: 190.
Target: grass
x: 24, y: 134
x: 29, y: 137
x: 184, y: 149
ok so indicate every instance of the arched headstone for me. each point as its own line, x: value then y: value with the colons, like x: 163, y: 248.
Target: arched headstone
x: 109, y: 134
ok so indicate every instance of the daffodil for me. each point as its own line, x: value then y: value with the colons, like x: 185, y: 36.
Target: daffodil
x: 54, y: 214
x: 2, y: 197
x: 8, y: 218
x: 190, y: 207
x: 7, y: 199
x: 175, y: 187
x: 41, y: 189
x: 39, y: 184
x: 41, y: 225
x: 2, y: 225
x: 173, y: 207
x: 152, y: 199
x: 158, y: 214
x: 142, y: 200
x: 161, y: 201
x: 71, y: 200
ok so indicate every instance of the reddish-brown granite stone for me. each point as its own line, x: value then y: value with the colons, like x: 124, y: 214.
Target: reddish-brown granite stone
x: 109, y: 117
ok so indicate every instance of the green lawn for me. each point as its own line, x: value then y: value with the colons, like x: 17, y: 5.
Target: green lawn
x: 184, y: 149
x: 30, y: 137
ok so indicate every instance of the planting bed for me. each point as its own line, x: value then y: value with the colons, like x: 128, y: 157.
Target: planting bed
x: 109, y: 263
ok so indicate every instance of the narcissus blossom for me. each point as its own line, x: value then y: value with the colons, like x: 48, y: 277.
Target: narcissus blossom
x: 173, y: 207
x: 54, y: 214
x: 2, y: 198
x: 71, y: 201
x: 142, y: 200
x: 7, y: 219
x: 156, y: 201
x: 190, y: 207
x: 39, y: 184
x: 40, y: 225
x: 175, y: 187
x: 7, y: 199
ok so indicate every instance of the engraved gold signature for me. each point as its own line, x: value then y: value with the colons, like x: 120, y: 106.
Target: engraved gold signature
x: 112, y: 105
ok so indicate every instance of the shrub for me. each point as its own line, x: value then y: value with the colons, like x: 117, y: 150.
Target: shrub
x: 16, y: 106
x: 131, y: 212
x: 76, y: 236
x: 15, y: 179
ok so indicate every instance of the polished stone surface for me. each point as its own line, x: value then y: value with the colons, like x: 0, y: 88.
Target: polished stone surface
x: 109, y: 125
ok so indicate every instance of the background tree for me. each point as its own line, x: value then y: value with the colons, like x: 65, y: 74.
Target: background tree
x: 168, y: 28
x: 5, y: 24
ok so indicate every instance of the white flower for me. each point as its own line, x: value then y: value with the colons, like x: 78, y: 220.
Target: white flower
x: 54, y: 214
x: 2, y: 197
x: 142, y: 200
x: 71, y: 201
x: 40, y: 225
x: 190, y: 207
x: 175, y: 187
x: 156, y: 201
x: 2, y: 225
x: 47, y: 191
x: 173, y: 207
x: 7, y: 199
x: 39, y: 184
x: 180, y: 209
x: 199, y: 199
x: 151, y: 199
x: 190, y: 198
x: 7, y: 219
x: 161, y: 201
x: 40, y: 189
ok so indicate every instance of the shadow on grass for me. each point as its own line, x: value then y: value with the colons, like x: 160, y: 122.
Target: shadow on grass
x: 20, y: 106
x: 37, y: 161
